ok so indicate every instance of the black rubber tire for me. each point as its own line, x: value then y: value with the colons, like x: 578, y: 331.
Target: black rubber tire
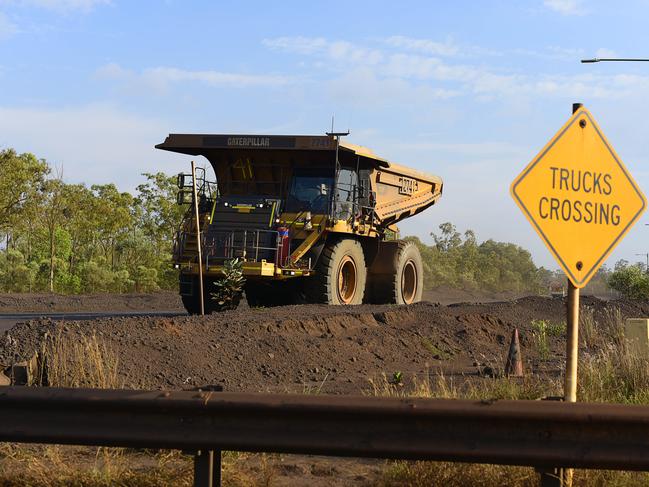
x: 338, y: 256
x: 269, y: 294
x: 397, y: 277
x: 192, y: 302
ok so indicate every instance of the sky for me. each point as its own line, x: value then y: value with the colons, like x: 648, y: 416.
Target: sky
x: 467, y: 90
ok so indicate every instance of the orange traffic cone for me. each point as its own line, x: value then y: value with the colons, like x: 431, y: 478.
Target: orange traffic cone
x: 514, y: 364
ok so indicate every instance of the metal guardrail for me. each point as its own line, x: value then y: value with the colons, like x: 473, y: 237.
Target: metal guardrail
x: 542, y: 434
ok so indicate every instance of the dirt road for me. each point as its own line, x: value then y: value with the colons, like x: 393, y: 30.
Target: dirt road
x: 86, y: 303
x: 9, y: 320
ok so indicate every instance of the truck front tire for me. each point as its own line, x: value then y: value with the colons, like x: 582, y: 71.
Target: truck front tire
x: 340, y: 274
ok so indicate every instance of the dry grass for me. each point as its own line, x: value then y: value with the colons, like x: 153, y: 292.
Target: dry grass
x: 58, y: 466
x: 77, y: 360
x: 609, y: 371
x: 73, y: 359
x: 441, y: 386
x: 429, y: 474
x: 594, y: 333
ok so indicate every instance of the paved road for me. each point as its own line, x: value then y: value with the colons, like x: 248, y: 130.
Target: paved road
x: 7, y: 320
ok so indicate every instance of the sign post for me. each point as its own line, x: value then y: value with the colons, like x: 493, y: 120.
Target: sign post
x: 572, y: 331
x: 572, y: 344
x: 198, y: 241
x: 581, y: 200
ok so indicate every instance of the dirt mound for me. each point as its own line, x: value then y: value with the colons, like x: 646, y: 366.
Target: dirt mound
x: 310, y: 348
x: 450, y: 295
x: 52, y: 303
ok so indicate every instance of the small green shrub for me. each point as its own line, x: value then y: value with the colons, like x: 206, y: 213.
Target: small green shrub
x: 229, y: 289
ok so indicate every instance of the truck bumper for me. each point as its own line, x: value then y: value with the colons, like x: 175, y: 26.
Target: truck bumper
x: 253, y: 270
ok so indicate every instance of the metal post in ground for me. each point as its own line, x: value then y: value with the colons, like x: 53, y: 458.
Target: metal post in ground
x: 572, y: 344
x: 572, y: 329
x: 554, y: 477
x: 562, y: 477
x: 198, y: 241
x: 207, y: 468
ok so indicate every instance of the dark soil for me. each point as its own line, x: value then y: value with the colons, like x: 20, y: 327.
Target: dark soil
x: 312, y: 348
x: 303, y: 349
x: 52, y: 303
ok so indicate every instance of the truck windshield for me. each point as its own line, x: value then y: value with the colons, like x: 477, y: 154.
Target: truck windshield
x: 310, y: 192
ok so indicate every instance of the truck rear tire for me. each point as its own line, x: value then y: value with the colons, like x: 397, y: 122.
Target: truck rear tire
x: 397, y: 277
x: 340, y: 274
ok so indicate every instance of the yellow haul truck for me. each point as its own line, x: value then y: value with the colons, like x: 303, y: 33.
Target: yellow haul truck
x: 312, y: 217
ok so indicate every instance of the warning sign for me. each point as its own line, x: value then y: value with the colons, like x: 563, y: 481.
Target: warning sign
x: 579, y: 197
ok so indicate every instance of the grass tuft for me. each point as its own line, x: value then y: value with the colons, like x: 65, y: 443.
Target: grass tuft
x: 77, y: 360
x: 609, y: 371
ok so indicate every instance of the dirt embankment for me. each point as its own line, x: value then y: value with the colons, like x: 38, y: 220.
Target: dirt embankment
x: 53, y: 303
x: 312, y: 347
x: 170, y: 301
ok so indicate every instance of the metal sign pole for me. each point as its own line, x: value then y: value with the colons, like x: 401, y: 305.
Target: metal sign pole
x: 572, y: 330
x: 572, y: 344
x: 572, y: 349
x: 198, y: 241
x: 551, y: 202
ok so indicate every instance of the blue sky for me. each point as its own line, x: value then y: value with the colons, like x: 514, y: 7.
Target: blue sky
x: 470, y: 91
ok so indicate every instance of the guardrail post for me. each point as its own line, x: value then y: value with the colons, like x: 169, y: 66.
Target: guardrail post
x: 207, y: 468
x: 552, y: 477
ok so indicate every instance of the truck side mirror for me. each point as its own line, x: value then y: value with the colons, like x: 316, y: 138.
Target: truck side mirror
x: 323, y: 189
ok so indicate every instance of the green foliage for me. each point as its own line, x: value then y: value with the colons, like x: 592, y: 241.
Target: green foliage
x: 15, y: 274
x: 228, y: 290
x: 459, y: 261
x: 69, y: 238
x: 542, y: 330
x: 632, y: 281
x: 146, y: 279
x: 22, y: 177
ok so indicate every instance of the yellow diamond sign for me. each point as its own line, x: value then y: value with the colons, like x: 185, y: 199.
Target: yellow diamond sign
x: 579, y: 197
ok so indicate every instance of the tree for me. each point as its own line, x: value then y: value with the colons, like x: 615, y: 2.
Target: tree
x: 22, y: 178
x: 458, y: 260
x: 160, y: 215
x: 54, y: 212
x: 113, y: 218
x: 15, y: 274
x: 631, y: 281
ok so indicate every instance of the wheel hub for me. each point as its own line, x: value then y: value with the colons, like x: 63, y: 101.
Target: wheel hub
x: 409, y: 282
x: 346, y: 280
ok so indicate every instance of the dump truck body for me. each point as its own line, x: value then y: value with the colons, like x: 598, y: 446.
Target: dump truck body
x: 281, y: 201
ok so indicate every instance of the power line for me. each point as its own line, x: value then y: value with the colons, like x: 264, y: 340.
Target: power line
x: 612, y: 59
